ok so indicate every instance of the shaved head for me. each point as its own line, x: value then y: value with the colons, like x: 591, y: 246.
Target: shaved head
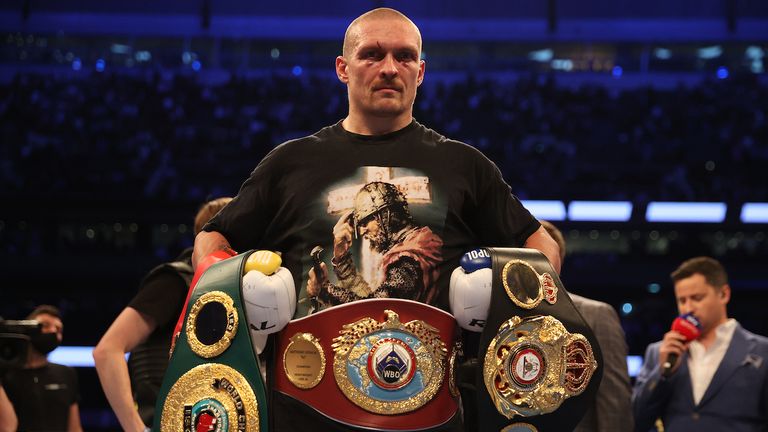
x: 351, y: 37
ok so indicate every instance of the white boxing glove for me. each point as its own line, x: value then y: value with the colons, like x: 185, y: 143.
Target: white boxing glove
x: 470, y: 290
x: 270, y: 302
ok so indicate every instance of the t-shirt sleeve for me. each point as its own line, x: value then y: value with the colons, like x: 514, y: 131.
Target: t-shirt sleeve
x: 161, y: 297
x: 499, y: 218
x: 245, y: 219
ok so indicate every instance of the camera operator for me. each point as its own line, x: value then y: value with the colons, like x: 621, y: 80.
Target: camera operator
x: 44, y: 396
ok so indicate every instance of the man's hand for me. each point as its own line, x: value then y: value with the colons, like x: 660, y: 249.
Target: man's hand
x: 313, y: 284
x: 207, y: 243
x: 343, y: 233
x: 672, y: 343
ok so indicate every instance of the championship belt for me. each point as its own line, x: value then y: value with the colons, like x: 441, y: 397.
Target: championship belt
x: 213, y: 381
x: 385, y: 364
x: 540, y: 360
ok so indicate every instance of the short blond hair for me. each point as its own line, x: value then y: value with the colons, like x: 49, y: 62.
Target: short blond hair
x: 209, y: 210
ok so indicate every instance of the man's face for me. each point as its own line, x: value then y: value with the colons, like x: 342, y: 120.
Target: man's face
x: 707, y: 303
x: 370, y: 229
x: 51, y: 324
x: 383, y: 69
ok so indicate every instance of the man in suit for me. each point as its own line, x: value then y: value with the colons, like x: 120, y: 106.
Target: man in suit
x: 719, y: 381
x: 611, y: 411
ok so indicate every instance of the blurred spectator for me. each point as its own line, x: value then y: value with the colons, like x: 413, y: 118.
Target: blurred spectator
x: 144, y: 328
x: 611, y: 410
x: 44, y: 395
x: 8, y: 420
x: 151, y: 136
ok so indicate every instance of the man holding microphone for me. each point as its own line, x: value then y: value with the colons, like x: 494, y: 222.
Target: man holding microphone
x: 712, y: 380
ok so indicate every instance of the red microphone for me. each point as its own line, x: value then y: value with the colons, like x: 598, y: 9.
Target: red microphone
x: 688, y: 326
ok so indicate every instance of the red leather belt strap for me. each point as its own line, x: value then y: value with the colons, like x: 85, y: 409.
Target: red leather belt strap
x: 329, y: 400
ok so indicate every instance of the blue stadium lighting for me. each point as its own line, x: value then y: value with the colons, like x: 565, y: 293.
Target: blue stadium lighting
x: 634, y: 364
x: 600, y: 211
x: 120, y: 49
x: 706, y: 212
x: 100, y: 65
x: 545, y: 209
x: 662, y: 53
x: 297, y: 70
x: 143, y: 56
x: 754, y: 212
x: 73, y: 356
x: 77, y: 64
x: 196, y: 65
x: 710, y: 52
x: 562, y: 64
x: 617, y: 71
x: 626, y: 308
x: 654, y: 288
x: 542, y: 56
x: 82, y: 356
x: 722, y: 72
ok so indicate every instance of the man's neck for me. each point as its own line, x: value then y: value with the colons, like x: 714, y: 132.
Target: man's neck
x: 708, y: 338
x: 362, y: 125
x: 35, y: 360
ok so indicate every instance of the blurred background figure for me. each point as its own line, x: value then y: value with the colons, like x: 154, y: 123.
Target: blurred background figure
x: 715, y: 382
x: 612, y: 410
x: 8, y: 420
x: 144, y: 329
x: 44, y: 395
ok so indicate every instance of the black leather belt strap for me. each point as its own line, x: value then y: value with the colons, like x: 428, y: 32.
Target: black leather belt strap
x: 502, y: 308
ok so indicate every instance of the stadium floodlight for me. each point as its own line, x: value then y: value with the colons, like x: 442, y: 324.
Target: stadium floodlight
x: 701, y: 212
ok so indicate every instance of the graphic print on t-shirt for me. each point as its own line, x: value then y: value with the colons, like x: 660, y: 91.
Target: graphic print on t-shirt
x: 382, y: 244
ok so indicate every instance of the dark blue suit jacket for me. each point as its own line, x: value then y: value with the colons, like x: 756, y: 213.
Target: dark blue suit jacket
x: 736, y: 399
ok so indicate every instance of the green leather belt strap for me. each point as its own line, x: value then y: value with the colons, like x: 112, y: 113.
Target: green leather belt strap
x: 213, y: 375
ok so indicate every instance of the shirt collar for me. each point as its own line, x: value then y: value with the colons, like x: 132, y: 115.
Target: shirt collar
x: 723, y: 335
x: 725, y: 330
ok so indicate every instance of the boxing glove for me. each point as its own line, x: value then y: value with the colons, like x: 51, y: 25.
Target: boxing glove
x: 269, y: 301
x: 470, y: 290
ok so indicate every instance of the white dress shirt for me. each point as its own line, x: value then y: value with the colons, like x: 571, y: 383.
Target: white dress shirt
x: 703, y: 363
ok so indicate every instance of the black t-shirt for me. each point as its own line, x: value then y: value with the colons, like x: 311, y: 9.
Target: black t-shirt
x: 298, y: 192
x: 162, y: 293
x: 161, y: 297
x: 42, y: 396
x: 456, y: 197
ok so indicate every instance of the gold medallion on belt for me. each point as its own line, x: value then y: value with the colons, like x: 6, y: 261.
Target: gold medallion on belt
x: 211, y: 396
x: 533, y: 364
x: 525, y: 286
x: 389, y: 367
x: 304, y: 361
x: 211, y: 324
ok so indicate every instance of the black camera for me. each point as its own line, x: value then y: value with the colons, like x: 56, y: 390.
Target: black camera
x: 14, y: 342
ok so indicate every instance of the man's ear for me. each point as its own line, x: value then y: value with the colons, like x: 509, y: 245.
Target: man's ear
x: 725, y: 294
x: 422, y: 69
x: 341, y: 69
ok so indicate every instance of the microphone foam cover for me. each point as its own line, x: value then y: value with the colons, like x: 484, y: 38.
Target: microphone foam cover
x: 688, y: 326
